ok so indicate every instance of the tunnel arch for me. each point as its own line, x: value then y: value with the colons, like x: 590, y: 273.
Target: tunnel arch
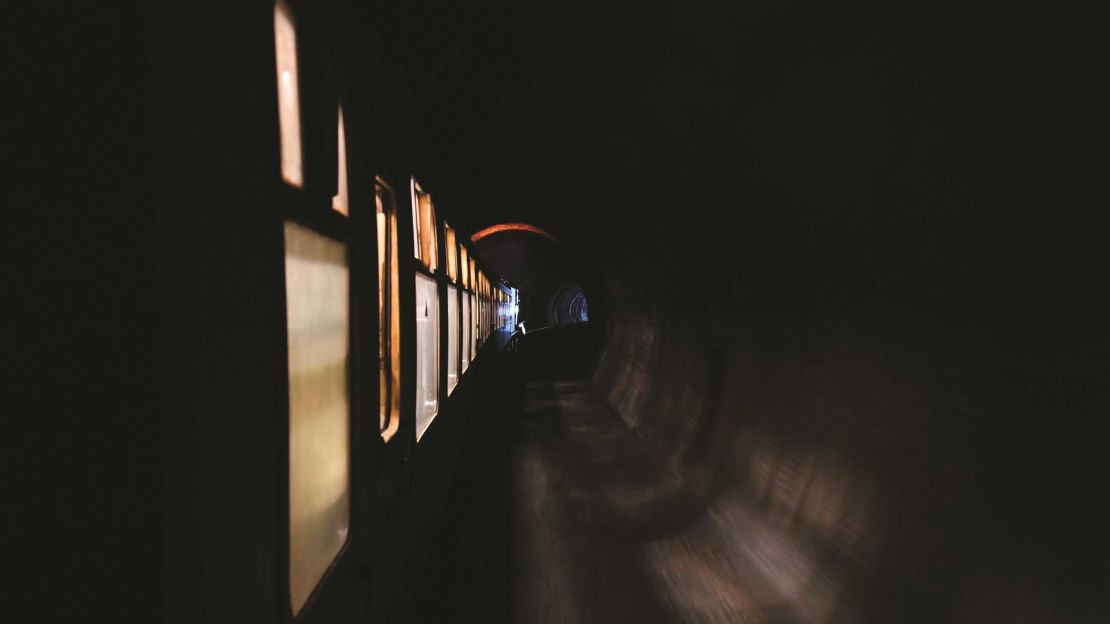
x: 512, y: 227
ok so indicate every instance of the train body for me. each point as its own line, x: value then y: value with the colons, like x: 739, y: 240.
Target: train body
x: 303, y: 480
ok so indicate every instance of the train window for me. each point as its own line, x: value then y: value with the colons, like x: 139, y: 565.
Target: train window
x: 289, y: 107
x: 339, y: 201
x: 473, y: 273
x: 452, y: 258
x: 463, y: 265
x: 423, y: 226
x: 427, y: 352
x: 473, y: 322
x: 317, y: 317
x: 452, y: 338
x: 389, y: 312
x: 465, y: 331
x: 483, y: 296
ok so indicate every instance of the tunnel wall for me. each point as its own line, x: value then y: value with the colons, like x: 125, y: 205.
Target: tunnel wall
x: 849, y: 326
x: 918, y: 456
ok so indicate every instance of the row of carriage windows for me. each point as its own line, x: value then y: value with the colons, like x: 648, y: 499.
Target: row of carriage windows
x: 318, y: 317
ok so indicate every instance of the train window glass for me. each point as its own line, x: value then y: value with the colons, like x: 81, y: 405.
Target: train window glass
x: 427, y: 352
x: 317, y: 313
x: 483, y: 306
x: 473, y: 273
x: 463, y: 265
x: 452, y: 338
x: 452, y: 258
x: 424, y: 226
x: 416, y: 191
x: 389, y: 313
x: 473, y: 327
x: 289, y: 108
x: 339, y: 202
x: 465, y: 331
x: 428, y: 227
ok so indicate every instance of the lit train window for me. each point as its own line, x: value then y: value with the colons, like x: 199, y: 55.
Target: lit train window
x: 473, y: 322
x: 452, y: 338
x: 317, y: 318
x: 339, y: 202
x: 464, y: 266
x: 478, y: 320
x: 484, y: 295
x: 289, y: 108
x: 423, y: 226
x: 427, y: 352
x: 452, y: 258
x: 389, y: 312
x: 466, y: 323
x: 478, y: 310
x: 472, y: 274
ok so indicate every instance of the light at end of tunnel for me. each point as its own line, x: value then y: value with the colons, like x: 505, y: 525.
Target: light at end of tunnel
x: 512, y: 227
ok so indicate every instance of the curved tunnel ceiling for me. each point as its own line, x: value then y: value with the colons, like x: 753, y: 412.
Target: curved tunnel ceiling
x: 511, y: 227
x: 548, y: 275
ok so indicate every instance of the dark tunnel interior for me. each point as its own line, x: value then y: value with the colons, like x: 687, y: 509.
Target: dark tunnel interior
x: 815, y: 330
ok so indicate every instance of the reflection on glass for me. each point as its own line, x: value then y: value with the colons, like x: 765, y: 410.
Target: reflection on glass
x: 452, y: 258
x: 289, y: 111
x: 424, y: 227
x: 452, y: 338
x: 416, y: 191
x: 389, y: 313
x: 339, y: 201
x: 466, y: 322
x: 316, y: 294
x: 473, y: 327
x: 427, y: 353
x: 465, y: 266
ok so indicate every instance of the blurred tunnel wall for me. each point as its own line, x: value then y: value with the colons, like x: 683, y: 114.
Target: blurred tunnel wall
x: 921, y: 463
x: 858, y: 338
x: 840, y: 260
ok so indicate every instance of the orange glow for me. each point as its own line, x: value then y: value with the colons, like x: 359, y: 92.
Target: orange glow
x: 452, y: 257
x: 512, y: 227
x: 389, y: 312
x: 423, y: 226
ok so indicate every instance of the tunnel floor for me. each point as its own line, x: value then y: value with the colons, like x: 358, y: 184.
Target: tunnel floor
x: 567, y: 567
x: 560, y: 513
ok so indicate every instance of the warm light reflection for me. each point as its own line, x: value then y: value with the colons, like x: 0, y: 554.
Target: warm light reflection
x: 464, y: 265
x: 389, y: 313
x: 339, y: 201
x: 424, y: 227
x: 452, y: 257
x: 511, y: 227
x: 289, y: 111
x: 316, y: 294
x: 414, y: 192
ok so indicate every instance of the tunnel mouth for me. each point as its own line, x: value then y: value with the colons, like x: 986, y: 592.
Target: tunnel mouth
x: 566, y: 303
x: 553, y: 282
